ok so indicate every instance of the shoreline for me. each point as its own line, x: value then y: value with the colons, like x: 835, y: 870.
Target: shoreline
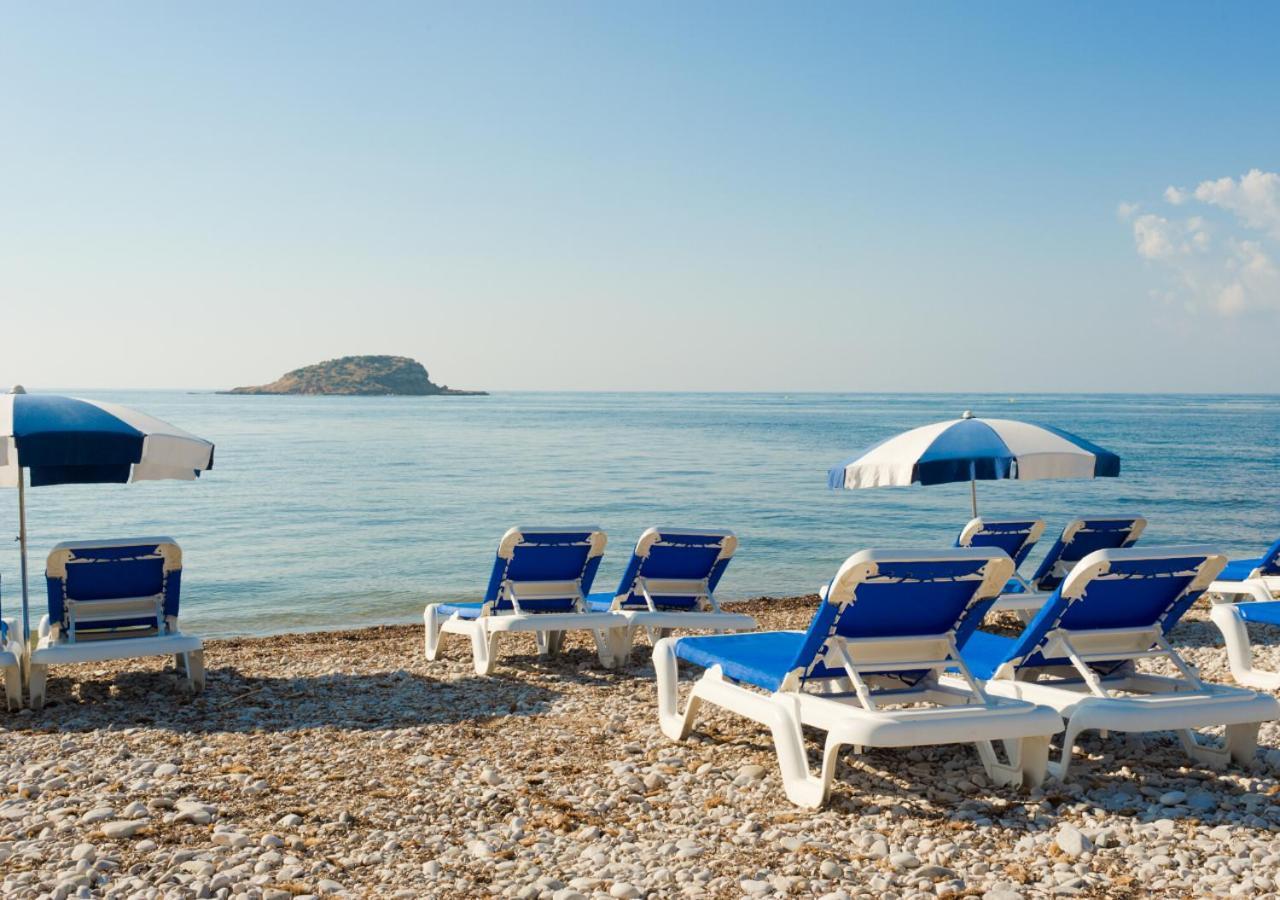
x: 342, y: 761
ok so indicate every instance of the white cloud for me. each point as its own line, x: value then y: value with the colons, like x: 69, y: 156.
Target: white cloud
x: 1153, y: 235
x: 1223, y: 258
x: 1255, y: 199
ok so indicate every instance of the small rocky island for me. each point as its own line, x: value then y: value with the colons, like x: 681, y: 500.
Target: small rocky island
x: 373, y: 376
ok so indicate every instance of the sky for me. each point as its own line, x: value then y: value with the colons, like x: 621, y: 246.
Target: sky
x: 643, y: 196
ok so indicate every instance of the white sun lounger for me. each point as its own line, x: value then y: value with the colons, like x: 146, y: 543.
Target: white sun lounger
x: 1078, y: 655
x: 1248, y: 590
x: 670, y: 583
x: 538, y: 584
x: 12, y: 655
x: 113, y: 600
x: 867, y: 671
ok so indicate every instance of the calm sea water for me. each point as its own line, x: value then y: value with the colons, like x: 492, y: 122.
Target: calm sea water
x: 330, y: 512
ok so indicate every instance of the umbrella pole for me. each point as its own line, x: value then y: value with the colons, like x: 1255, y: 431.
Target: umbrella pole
x: 22, y: 544
x: 973, y: 498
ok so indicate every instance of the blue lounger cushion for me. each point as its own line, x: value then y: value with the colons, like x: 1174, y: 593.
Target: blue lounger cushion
x: 1264, y: 612
x: 600, y: 601
x: 1268, y: 564
x: 985, y: 652
x: 461, y: 610
x: 762, y: 658
x: 1240, y: 569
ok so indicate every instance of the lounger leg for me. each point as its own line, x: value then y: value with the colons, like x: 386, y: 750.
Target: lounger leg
x: 1059, y: 769
x: 555, y: 642
x: 431, y: 621
x: 1239, y: 650
x: 1239, y: 747
x: 13, y: 686
x: 37, y: 676
x: 606, y: 647
x: 1242, y: 742
x: 541, y: 640
x: 657, y: 634
x: 484, y: 650
x: 621, y: 640
x: 194, y: 666
x: 802, y: 788
x: 1028, y: 761
x: 674, y: 724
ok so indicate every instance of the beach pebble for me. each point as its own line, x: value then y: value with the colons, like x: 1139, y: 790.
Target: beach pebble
x: 904, y: 860
x: 1072, y: 841
x: 122, y: 828
x: 304, y: 782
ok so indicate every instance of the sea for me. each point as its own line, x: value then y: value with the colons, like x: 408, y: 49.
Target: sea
x: 337, y: 512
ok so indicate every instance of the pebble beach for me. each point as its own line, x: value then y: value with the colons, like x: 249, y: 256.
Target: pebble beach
x: 343, y: 763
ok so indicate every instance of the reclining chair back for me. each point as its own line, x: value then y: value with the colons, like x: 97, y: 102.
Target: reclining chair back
x: 1015, y: 537
x: 1114, y: 606
x: 675, y: 568
x: 1080, y: 538
x: 899, y: 613
x: 544, y: 569
x: 114, y: 589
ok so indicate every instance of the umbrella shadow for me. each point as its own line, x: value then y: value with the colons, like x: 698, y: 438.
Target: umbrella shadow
x: 237, y: 702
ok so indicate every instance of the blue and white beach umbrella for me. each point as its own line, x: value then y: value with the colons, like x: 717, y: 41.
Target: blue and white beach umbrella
x: 64, y: 440
x: 972, y: 449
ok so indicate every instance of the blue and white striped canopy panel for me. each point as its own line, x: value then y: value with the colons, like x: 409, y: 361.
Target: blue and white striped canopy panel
x: 65, y: 440
x: 973, y: 448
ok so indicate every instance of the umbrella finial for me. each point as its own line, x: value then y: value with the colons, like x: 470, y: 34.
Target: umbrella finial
x: 968, y: 414
x: 17, y: 389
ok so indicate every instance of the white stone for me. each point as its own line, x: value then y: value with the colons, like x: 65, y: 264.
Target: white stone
x: 1072, y: 841
x: 122, y: 828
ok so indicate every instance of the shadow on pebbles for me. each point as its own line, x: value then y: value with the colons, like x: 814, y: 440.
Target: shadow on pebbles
x: 344, y: 763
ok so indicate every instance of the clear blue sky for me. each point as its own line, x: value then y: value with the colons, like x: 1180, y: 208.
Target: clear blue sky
x: 722, y: 196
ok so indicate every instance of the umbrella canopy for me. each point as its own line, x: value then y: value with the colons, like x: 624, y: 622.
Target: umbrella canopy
x: 66, y: 440
x: 972, y: 449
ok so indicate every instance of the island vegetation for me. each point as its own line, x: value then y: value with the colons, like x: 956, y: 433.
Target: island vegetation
x: 374, y: 376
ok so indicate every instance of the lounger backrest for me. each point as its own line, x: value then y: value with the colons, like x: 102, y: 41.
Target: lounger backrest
x: 1112, y: 590
x: 114, y: 588
x: 1080, y: 538
x: 1015, y: 537
x: 1269, y: 563
x: 902, y: 594
x: 547, y: 569
x: 680, y: 568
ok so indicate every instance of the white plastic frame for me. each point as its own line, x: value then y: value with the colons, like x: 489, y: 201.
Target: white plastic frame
x: 1225, y: 598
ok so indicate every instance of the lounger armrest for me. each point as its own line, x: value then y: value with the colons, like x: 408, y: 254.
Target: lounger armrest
x: 1223, y: 591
